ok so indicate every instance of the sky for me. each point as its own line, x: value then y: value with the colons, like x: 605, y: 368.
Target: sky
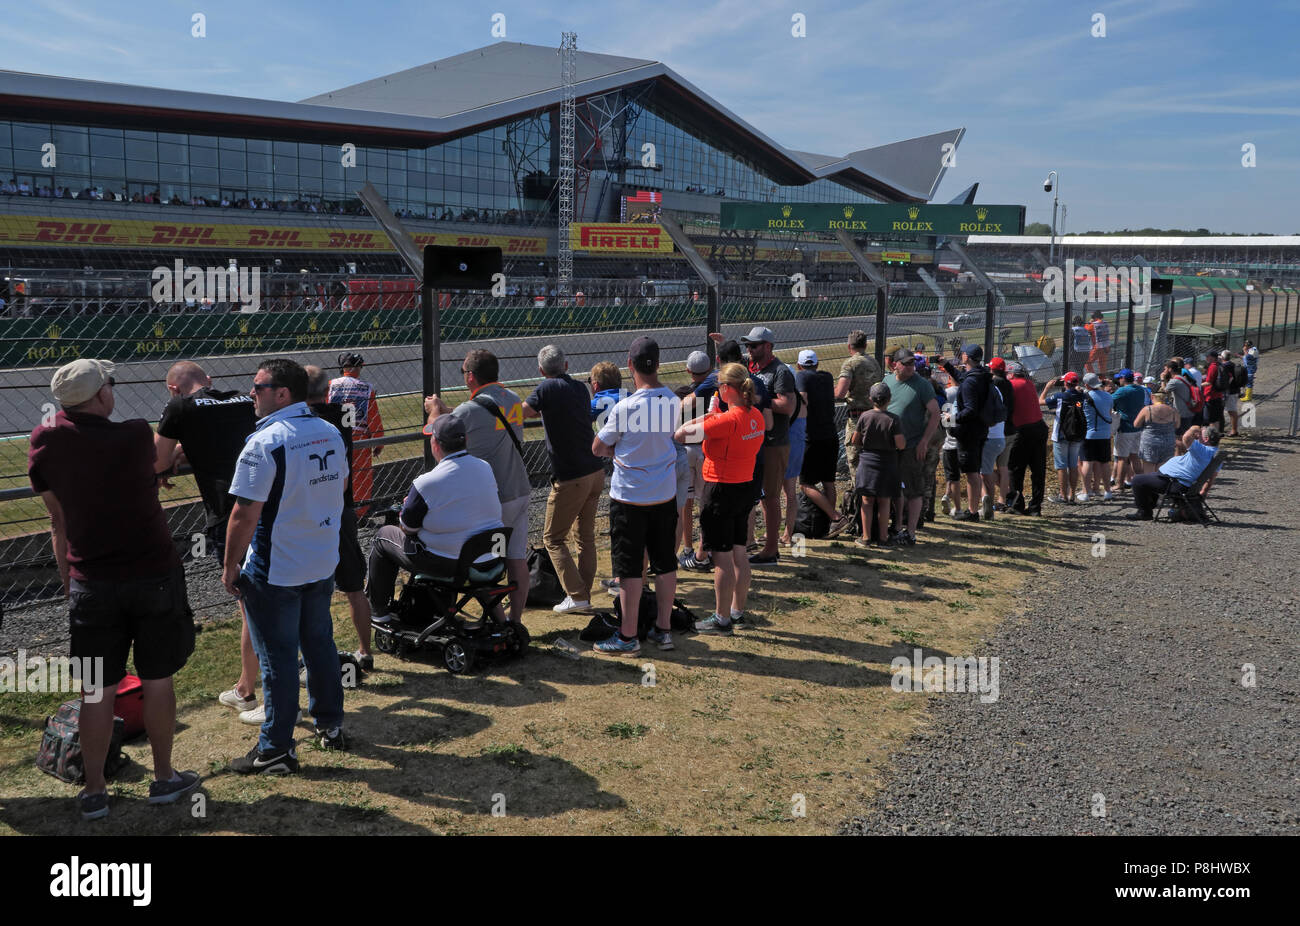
x: 1145, y: 124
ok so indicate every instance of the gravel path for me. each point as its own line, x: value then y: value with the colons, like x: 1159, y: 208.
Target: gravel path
x: 1123, y: 678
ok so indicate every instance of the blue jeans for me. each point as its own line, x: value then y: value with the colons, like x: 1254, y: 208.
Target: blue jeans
x: 281, y: 619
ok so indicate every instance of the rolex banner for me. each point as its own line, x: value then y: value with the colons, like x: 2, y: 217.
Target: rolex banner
x: 885, y: 218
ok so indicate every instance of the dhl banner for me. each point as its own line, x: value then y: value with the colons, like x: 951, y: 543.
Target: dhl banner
x: 731, y: 252
x: 27, y: 231
x: 615, y: 238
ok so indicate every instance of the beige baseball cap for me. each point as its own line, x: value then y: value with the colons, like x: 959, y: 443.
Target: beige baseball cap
x: 78, y: 381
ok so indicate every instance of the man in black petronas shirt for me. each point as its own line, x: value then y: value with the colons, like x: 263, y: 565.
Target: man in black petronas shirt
x: 207, y: 427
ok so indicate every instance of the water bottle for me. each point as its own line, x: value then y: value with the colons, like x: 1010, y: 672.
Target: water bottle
x: 565, y: 648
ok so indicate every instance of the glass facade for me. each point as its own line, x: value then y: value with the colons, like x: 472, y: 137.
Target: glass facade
x: 489, y: 174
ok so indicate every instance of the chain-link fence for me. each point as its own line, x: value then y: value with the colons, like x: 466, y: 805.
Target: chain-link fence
x: 314, y: 316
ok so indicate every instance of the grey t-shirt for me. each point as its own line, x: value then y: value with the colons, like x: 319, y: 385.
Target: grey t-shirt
x: 779, y: 380
x: 486, y: 438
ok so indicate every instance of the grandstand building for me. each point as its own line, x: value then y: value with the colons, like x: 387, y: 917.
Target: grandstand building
x: 464, y: 150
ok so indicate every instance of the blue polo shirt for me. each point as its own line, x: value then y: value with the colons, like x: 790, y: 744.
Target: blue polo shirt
x: 1098, y: 413
x: 1128, y: 401
x: 296, y: 464
x: 1188, y: 467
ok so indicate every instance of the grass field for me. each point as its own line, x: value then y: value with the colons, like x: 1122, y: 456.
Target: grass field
x: 731, y: 731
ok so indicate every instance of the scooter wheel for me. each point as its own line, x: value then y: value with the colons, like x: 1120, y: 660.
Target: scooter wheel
x: 385, y: 641
x: 458, y: 657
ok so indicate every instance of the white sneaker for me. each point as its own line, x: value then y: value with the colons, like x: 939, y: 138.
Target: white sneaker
x: 1083, y: 497
x: 258, y: 716
x: 232, y: 698
x: 568, y: 604
x: 986, y: 507
x: 1059, y: 500
x: 1108, y: 497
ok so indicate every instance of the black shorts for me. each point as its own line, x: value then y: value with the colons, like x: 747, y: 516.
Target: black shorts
x: 821, y: 461
x: 724, y: 515
x: 970, y: 455
x: 1096, y: 450
x: 106, y: 618
x: 635, y: 530
x: 350, y: 574
x: 951, y: 466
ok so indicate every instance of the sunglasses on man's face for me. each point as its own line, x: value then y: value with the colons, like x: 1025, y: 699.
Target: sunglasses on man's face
x: 260, y: 386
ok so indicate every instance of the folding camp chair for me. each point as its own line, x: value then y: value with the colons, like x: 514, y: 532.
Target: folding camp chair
x: 1188, y: 500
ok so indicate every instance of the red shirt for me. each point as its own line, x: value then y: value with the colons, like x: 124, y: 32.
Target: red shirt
x: 101, y: 472
x: 1026, y: 410
x: 1208, y: 381
x: 732, y: 440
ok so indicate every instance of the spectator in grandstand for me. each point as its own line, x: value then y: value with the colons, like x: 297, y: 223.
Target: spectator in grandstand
x: 1068, y: 429
x: 1129, y: 400
x: 779, y: 382
x: 913, y: 403
x: 606, y: 389
x: 973, y: 385
x: 577, y: 476
x: 858, y: 374
x: 1030, y: 450
x: 207, y: 428
x: 1002, y: 462
x: 289, y: 485
x: 350, y: 576
x: 494, y: 423
x: 1250, y: 356
x: 97, y: 480
x: 1157, y: 425
x: 1179, y: 388
x: 1213, y: 389
x: 1234, y: 378
x: 798, y: 440
x: 822, y: 451
x: 1202, y: 445
x: 446, y: 506
x: 24, y: 188
x: 878, y: 435
x: 1080, y: 343
x: 1096, y: 453
x: 730, y: 441
x: 638, y: 434
x: 10, y: 187
x: 361, y: 399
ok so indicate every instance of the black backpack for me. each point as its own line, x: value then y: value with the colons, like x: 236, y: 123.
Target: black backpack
x: 544, y: 588
x: 1227, y: 375
x: 1071, y: 424
x: 1240, y: 378
x: 994, y: 409
x: 681, y: 619
x: 812, y: 522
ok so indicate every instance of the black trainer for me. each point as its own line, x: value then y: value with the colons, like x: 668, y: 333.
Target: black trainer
x: 968, y: 516
x: 332, y: 739
x: 168, y: 792
x: 280, y: 762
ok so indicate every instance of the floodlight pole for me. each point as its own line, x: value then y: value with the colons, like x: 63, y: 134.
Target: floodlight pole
x: 1056, y: 198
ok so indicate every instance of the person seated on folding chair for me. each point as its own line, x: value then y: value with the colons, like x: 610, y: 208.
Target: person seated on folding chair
x: 445, y: 507
x: 1185, y: 469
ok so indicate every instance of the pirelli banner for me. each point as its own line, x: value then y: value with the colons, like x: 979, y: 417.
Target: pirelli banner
x: 884, y: 218
x: 616, y: 238
x: 34, y: 231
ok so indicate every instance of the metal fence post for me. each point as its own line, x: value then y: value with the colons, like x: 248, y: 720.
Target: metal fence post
x: 1214, y: 310
x: 990, y: 319
x: 1068, y: 337
x: 1272, y: 328
x: 1128, y: 346
x: 431, y: 351
x: 712, y: 317
x: 882, y: 303
x: 1232, y: 311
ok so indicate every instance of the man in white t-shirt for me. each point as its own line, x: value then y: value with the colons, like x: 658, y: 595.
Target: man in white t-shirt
x: 638, y: 434
x: 288, y: 485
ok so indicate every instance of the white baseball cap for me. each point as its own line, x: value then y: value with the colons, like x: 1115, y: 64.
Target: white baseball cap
x: 807, y: 358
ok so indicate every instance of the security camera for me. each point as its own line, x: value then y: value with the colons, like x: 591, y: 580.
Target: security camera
x: 1047, y: 185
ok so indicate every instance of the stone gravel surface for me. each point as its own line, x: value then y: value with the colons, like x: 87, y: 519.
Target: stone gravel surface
x: 1121, y: 681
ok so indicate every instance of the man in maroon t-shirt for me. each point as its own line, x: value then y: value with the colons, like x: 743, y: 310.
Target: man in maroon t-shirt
x: 118, y: 565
